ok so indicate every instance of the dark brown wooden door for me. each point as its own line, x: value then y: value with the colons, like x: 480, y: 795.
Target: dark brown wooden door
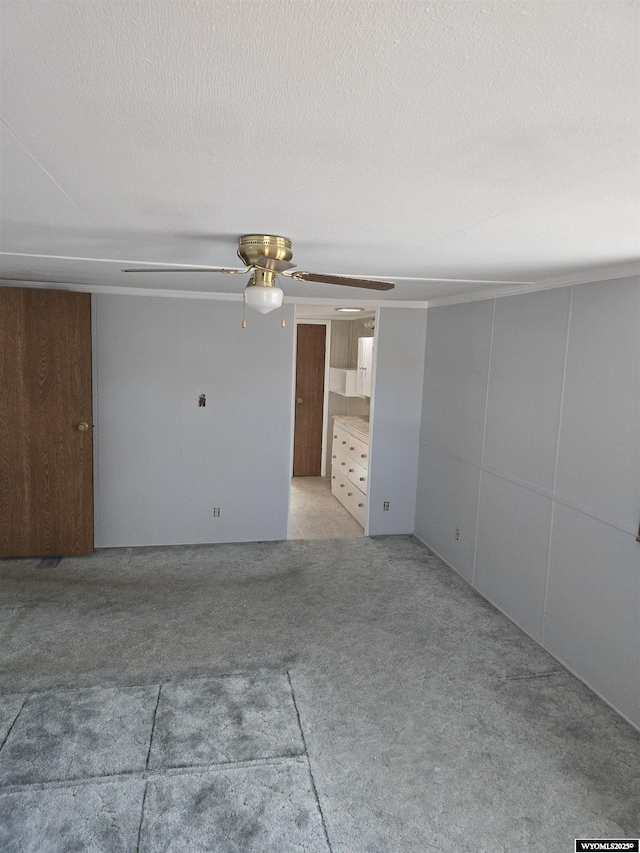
x: 307, y: 434
x: 46, y: 461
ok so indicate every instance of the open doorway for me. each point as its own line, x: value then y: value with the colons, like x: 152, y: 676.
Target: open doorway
x: 326, y: 501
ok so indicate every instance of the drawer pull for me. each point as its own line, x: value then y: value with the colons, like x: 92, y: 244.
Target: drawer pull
x: 351, y: 470
x: 350, y: 494
x: 360, y: 505
x: 342, y: 485
x: 362, y: 479
x: 352, y: 448
x: 363, y: 456
x: 334, y: 435
x: 334, y: 456
x: 333, y: 476
x: 344, y: 442
x: 343, y: 463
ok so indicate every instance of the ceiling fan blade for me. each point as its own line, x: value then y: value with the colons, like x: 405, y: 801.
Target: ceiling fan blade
x: 272, y: 264
x: 190, y: 269
x: 344, y: 280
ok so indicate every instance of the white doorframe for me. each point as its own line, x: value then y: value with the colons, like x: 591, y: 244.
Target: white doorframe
x: 325, y: 400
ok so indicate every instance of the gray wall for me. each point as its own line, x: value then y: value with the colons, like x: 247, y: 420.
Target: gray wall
x: 395, y: 419
x: 163, y: 463
x: 530, y: 445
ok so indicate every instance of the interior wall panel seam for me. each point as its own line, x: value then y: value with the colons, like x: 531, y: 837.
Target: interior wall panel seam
x: 484, y: 433
x: 475, y: 538
x: 532, y: 487
x: 563, y: 388
x: 434, y: 446
x: 486, y: 396
x: 548, y: 571
x: 555, y: 465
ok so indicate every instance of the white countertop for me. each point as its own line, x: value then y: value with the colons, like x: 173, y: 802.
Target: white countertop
x: 353, y: 422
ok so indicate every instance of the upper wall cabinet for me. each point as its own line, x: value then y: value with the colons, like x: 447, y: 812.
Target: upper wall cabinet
x: 365, y: 366
x: 343, y: 381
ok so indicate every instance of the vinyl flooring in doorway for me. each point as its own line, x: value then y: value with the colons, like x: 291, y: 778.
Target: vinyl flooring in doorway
x: 316, y: 514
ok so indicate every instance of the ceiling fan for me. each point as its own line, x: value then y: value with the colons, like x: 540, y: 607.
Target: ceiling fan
x: 267, y: 256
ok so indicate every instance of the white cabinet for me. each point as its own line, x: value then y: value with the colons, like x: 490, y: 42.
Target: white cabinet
x: 354, y: 383
x: 365, y: 366
x: 344, y: 382
x: 350, y: 466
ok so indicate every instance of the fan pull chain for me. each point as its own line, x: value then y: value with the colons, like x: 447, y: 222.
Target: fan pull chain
x: 282, y: 322
x: 244, y: 302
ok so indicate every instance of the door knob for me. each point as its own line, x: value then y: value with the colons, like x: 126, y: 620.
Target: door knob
x: 299, y: 400
x: 83, y: 426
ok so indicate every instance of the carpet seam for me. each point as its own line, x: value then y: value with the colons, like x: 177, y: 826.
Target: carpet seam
x: 153, y: 727
x: 534, y: 676
x: 6, y: 738
x: 144, y: 800
x: 152, y: 775
x: 129, y: 685
x: 313, y: 781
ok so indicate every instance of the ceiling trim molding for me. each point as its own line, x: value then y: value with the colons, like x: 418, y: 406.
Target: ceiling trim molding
x: 114, y: 290
x: 608, y: 273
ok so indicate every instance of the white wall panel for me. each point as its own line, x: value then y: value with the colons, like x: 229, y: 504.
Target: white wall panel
x: 450, y: 490
x: 593, y: 603
x: 395, y: 419
x: 563, y: 403
x: 457, y: 360
x: 138, y: 419
x: 525, y: 385
x: 163, y: 461
x: 511, y: 556
x: 599, y: 452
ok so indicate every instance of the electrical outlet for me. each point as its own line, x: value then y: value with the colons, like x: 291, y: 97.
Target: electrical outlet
x: 216, y: 512
x: 457, y: 533
x: 385, y: 506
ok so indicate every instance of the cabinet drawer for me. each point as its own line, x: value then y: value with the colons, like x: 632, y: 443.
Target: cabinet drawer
x: 339, y: 487
x: 341, y: 438
x: 340, y: 460
x: 356, y: 503
x: 358, y: 475
x: 358, y: 451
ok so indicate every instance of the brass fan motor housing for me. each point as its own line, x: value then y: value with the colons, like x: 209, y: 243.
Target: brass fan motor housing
x: 266, y: 256
x: 252, y: 247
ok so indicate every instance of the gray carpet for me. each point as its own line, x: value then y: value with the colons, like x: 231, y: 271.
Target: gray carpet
x: 206, y: 764
x: 344, y: 695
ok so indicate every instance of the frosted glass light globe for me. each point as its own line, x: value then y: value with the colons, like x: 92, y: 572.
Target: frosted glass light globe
x: 263, y: 299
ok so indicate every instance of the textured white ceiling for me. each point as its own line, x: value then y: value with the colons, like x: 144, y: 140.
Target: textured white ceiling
x: 462, y: 140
